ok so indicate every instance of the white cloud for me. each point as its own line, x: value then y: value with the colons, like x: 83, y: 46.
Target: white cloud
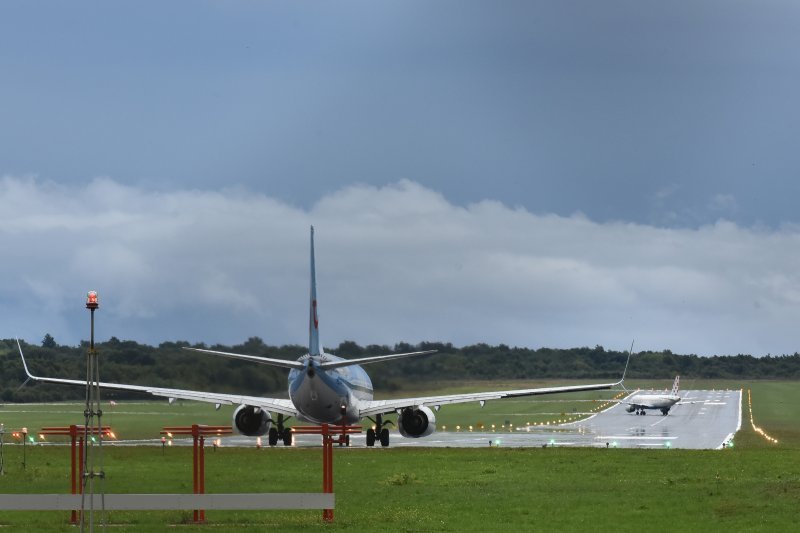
x: 394, y: 263
x: 725, y: 203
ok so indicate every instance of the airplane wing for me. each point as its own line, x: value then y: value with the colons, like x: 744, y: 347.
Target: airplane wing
x: 277, y: 405
x: 372, y: 408
x: 379, y: 407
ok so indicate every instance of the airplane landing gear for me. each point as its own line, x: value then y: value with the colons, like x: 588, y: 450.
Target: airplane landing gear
x: 380, y: 432
x: 280, y: 433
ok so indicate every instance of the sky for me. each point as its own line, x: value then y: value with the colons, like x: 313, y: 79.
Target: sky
x: 532, y: 173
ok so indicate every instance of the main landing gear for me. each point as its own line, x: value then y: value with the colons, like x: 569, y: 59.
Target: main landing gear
x: 380, y: 432
x: 280, y: 433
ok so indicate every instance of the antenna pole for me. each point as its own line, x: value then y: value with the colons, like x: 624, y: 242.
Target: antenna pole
x: 92, y: 427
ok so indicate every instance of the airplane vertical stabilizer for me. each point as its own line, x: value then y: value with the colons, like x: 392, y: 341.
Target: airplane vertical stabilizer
x: 313, y: 316
x: 675, y: 385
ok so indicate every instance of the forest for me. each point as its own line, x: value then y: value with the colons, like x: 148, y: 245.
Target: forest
x: 169, y: 365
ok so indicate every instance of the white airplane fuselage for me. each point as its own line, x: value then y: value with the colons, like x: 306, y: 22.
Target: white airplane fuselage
x: 329, y: 396
x: 640, y: 403
x: 654, y: 401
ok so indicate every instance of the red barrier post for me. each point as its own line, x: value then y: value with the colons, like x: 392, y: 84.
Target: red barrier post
x: 196, y: 512
x: 198, y: 433
x: 73, y: 435
x: 329, y: 433
x: 327, y: 467
x: 202, y: 474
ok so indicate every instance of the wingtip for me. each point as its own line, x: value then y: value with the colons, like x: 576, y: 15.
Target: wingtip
x: 24, y: 364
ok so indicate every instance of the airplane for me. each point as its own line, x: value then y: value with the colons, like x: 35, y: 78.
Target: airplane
x: 326, y: 389
x: 639, y: 403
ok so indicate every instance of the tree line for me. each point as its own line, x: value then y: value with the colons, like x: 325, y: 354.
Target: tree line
x: 169, y: 365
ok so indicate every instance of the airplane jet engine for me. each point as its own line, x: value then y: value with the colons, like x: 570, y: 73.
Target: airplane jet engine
x: 419, y: 422
x: 251, y: 421
x: 631, y: 408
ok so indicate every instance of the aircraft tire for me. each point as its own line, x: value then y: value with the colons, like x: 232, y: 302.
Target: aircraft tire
x: 370, y: 437
x: 273, y: 436
x: 384, y: 437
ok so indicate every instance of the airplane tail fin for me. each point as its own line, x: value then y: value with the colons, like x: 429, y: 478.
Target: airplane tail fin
x: 313, y: 316
x: 675, y: 385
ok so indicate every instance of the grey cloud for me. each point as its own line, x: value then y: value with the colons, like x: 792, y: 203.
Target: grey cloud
x: 395, y: 263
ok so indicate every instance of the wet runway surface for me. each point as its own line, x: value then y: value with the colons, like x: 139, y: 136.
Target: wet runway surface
x: 703, y: 425
x: 706, y: 424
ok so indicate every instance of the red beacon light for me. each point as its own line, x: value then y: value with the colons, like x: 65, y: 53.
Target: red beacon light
x: 91, y: 300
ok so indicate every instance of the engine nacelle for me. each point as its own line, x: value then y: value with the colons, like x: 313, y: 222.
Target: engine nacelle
x: 631, y: 408
x: 251, y: 421
x: 416, y: 422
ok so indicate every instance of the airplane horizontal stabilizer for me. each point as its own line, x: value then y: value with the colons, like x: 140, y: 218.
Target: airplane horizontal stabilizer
x: 253, y: 358
x: 374, y: 359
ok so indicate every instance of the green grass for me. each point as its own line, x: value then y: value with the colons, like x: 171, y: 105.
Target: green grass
x: 452, y: 490
x: 754, y: 486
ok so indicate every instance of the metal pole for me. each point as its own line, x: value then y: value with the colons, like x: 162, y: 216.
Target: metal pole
x: 92, y: 410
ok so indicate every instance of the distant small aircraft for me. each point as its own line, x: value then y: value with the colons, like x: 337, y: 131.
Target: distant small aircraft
x: 326, y: 389
x: 639, y: 403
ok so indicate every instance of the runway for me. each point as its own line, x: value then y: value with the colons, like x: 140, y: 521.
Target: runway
x: 704, y: 425
x: 708, y: 424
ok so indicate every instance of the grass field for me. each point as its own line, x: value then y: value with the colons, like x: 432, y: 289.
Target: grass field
x: 754, y: 486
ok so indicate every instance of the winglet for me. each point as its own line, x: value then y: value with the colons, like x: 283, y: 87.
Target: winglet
x: 24, y: 365
x: 313, y: 316
x: 630, y: 353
